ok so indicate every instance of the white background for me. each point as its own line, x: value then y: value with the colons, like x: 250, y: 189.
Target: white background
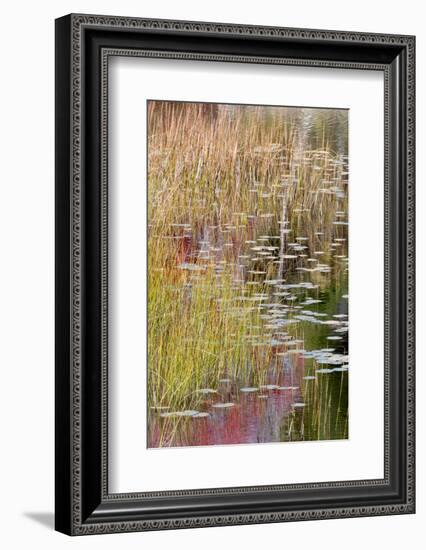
x: 26, y: 300
x: 132, y: 81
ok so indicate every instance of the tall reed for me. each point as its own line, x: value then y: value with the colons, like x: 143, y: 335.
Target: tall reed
x: 219, y: 179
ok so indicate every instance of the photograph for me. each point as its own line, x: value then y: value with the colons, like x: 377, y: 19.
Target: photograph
x: 209, y: 306
x: 248, y: 273
x: 234, y: 271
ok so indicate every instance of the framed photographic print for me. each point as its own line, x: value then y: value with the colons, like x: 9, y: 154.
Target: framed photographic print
x: 234, y: 274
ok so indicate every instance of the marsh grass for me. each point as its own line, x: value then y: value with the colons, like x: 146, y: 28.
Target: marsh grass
x: 322, y: 420
x: 230, y: 189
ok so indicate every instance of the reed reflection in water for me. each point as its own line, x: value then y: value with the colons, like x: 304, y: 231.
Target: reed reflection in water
x: 247, y: 274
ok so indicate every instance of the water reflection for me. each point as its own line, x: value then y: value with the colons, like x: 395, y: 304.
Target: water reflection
x: 248, y: 275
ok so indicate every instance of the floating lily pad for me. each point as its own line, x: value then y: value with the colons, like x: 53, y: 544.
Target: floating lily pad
x: 324, y: 371
x: 191, y: 267
x: 223, y: 405
x: 176, y: 414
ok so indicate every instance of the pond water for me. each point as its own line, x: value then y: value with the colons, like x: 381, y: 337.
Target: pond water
x: 304, y: 395
x: 274, y: 274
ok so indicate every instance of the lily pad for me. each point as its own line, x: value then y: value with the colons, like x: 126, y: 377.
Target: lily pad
x: 176, y: 414
x: 324, y: 371
x: 191, y: 267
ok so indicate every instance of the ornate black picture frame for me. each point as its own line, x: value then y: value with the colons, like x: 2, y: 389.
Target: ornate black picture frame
x: 84, y: 44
